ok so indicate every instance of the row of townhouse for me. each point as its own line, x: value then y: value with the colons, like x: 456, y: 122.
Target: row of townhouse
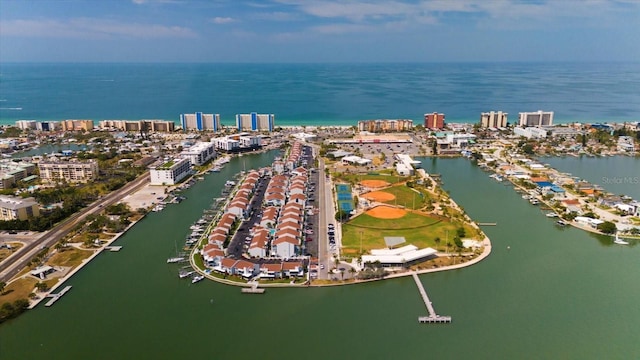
x: 239, y: 204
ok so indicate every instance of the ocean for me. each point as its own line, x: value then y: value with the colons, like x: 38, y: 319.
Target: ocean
x: 320, y: 94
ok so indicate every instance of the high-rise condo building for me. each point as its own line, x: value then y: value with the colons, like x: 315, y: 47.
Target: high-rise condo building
x: 493, y: 119
x: 434, y: 121
x: 255, y: 122
x: 200, y: 121
x: 538, y: 118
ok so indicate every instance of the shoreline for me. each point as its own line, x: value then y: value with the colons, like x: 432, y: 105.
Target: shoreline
x: 66, y: 277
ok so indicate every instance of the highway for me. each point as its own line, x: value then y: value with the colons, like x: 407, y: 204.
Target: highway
x: 11, y: 266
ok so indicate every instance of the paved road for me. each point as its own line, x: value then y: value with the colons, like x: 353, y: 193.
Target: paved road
x: 13, y: 265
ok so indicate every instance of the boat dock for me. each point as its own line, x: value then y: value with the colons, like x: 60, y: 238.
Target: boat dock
x: 113, y: 248
x: 433, y: 317
x: 488, y: 224
x: 253, y: 289
x: 55, y: 297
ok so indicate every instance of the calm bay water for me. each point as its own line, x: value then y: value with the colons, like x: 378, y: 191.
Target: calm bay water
x: 617, y: 174
x: 555, y: 293
x: 319, y: 94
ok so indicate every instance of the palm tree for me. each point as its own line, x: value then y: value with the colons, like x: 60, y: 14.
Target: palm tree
x: 352, y: 271
x: 342, y: 273
x: 2, y: 286
x: 437, y: 240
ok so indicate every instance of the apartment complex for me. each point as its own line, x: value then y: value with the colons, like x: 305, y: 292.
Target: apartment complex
x: 384, y: 125
x: 77, y: 125
x: 255, y: 122
x: 68, y: 170
x: 139, y: 125
x: 11, y: 172
x: 200, y: 121
x: 15, y: 208
x: 434, y: 121
x: 199, y: 153
x: 538, y: 118
x: 493, y: 119
x: 171, y: 172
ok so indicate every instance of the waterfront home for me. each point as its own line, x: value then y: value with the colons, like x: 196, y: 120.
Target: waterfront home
x: 226, y: 221
x: 292, y: 269
x: 218, y: 236
x: 212, y: 255
x: 245, y: 269
x: 271, y: 271
x: 238, y: 206
x: 588, y: 221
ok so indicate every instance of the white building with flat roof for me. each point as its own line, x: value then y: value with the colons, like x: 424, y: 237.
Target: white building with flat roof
x: 530, y: 132
x: 226, y: 143
x: 200, y: 153
x: 538, y: 118
x: 171, y: 172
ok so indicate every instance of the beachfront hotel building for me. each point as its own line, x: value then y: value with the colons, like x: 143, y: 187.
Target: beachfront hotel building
x: 384, y: 125
x: 68, y: 170
x: 538, y: 118
x: 171, y: 172
x: 493, y: 119
x: 200, y: 153
x: 139, y: 125
x: 434, y: 121
x: 200, y: 122
x: 26, y: 124
x: 77, y: 125
x: 255, y: 122
x: 16, y: 208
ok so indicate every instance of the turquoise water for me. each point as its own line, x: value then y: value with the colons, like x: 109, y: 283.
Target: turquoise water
x: 319, y: 94
x: 543, y: 293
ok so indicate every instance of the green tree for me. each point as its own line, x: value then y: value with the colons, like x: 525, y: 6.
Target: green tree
x: 607, y: 227
x: 2, y: 286
x: 437, y: 240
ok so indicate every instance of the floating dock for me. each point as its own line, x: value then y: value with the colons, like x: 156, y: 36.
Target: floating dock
x: 55, y: 297
x: 488, y: 224
x: 433, y: 317
x: 113, y: 248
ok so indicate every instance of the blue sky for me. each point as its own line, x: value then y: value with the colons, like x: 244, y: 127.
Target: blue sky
x: 318, y: 31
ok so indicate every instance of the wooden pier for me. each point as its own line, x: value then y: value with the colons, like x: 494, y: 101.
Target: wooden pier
x: 433, y: 317
x: 55, y: 297
x: 253, y: 289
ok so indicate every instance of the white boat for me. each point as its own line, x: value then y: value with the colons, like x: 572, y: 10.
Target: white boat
x: 562, y: 223
x: 174, y: 260
x: 197, y: 278
x: 551, y: 215
x: 619, y: 241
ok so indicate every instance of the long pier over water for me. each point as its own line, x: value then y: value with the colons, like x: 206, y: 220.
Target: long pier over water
x: 433, y: 317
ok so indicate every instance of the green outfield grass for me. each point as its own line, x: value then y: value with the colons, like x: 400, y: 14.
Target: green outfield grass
x: 406, y: 196
x: 417, y: 229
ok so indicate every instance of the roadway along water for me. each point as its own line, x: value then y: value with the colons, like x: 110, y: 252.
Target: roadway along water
x: 556, y: 293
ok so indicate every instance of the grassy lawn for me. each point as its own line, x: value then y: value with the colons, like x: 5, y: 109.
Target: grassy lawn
x: 406, y: 196
x: 19, y: 289
x: 418, y: 230
x: 4, y: 253
x: 70, y: 257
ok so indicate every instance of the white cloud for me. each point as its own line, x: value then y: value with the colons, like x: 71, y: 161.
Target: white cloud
x: 222, y: 20
x: 91, y: 28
